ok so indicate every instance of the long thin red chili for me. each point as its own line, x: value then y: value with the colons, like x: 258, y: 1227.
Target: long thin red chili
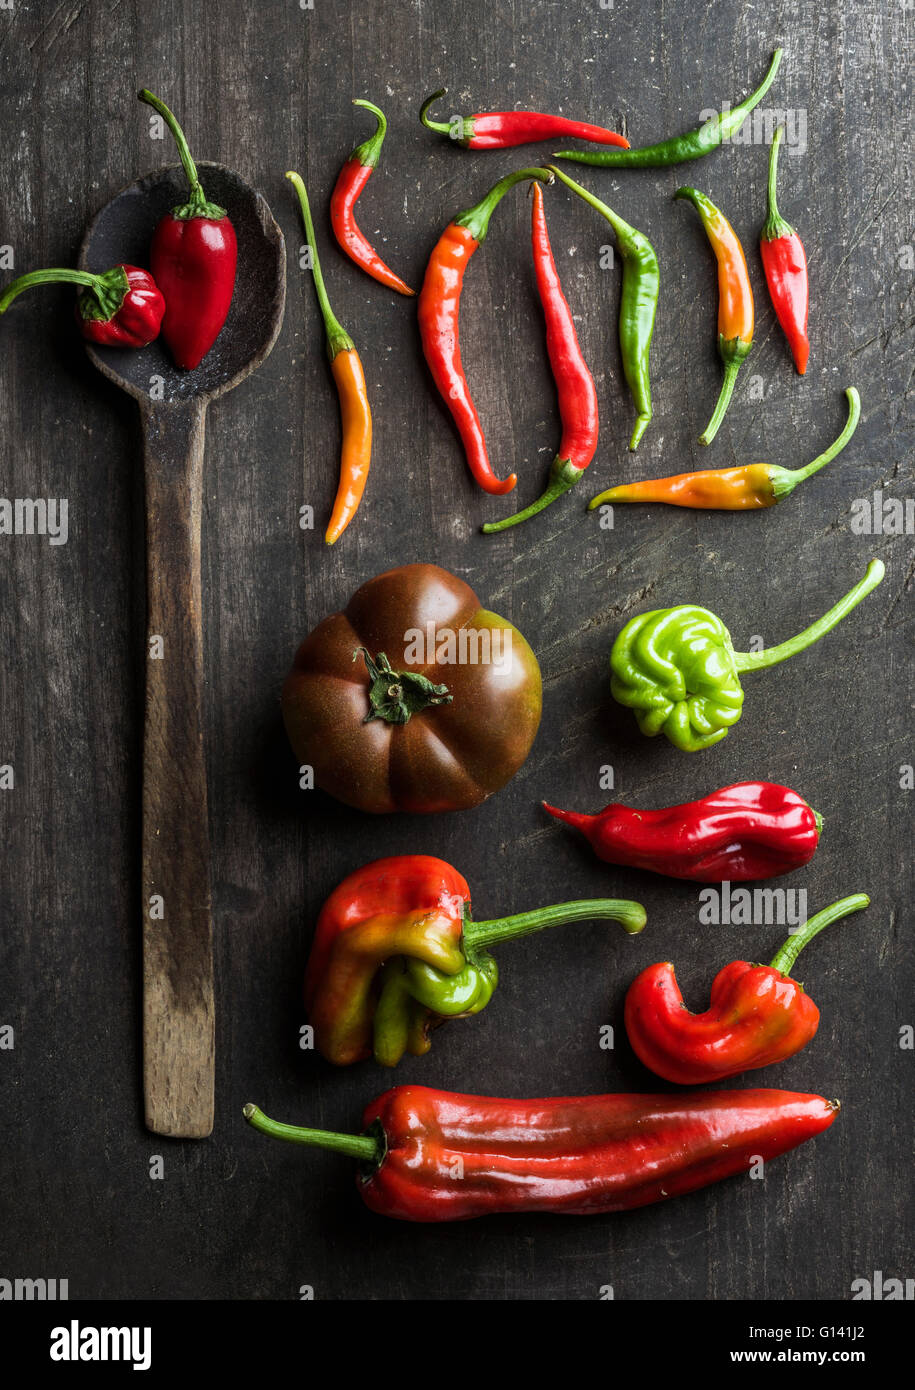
x: 785, y: 264
x: 351, y: 180
x: 501, y: 130
x: 439, y: 312
x: 574, y: 383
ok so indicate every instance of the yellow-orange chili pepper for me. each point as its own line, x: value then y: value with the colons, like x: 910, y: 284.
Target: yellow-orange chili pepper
x: 732, y: 489
x: 735, y: 300
x: 355, y: 412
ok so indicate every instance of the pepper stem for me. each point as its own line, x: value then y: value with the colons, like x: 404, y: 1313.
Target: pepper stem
x: 108, y: 290
x: 367, y: 153
x: 480, y: 935
x: 338, y: 340
x: 367, y: 1148
x: 440, y: 127
x: 771, y: 656
x: 774, y: 226
x: 476, y: 219
x: 724, y: 400
x: 785, y: 480
x: 735, y: 118
x: 196, y: 205
x: 622, y: 228
x: 563, y: 475
x: 784, y: 959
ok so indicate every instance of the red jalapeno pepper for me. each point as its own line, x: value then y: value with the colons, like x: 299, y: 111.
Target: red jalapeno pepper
x: 122, y: 307
x: 351, y: 180
x: 758, y: 1014
x: 785, y: 264
x: 501, y: 130
x: 193, y: 257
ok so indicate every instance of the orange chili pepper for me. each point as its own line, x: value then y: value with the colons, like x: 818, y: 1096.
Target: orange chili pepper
x: 732, y: 489
x: 355, y: 412
x: 735, y: 300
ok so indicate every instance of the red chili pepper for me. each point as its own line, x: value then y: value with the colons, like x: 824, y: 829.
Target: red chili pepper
x: 439, y: 310
x: 574, y: 383
x: 122, y: 307
x: 745, y: 831
x: 351, y: 180
x: 785, y: 264
x: 500, y: 130
x: 758, y: 1014
x: 438, y: 1156
x: 193, y: 257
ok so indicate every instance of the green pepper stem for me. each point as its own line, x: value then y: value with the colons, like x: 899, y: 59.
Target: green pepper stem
x: 478, y: 935
x: 785, y: 480
x: 737, y: 115
x: 367, y: 153
x: 476, y: 219
x: 784, y: 959
x: 563, y: 476
x: 625, y: 233
x: 338, y: 340
x: 724, y: 400
x: 197, y: 205
x: 771, y: 656
x: 440, y: 127
x: 365, y: 1147
x: 775, y: 225
x: 107, y: 288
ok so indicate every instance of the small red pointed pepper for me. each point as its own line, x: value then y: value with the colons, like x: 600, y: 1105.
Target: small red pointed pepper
x: 123, y: 307
x: 746, y: 831
x: 758, y: 1015
x: 351, y: 180
x: 785, y: 264
x: 502, y: 130
x: 193, y: 257
x: 396, y: 953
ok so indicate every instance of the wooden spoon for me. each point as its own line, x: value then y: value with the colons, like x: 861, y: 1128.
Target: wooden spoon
x: 178, y: 1021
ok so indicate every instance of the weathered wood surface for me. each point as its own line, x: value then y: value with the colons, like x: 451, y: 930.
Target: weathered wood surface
x: 264, y: 88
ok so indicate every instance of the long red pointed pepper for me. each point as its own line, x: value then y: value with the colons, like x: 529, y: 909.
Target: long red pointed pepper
x: 193, y: 256
x: 785, y: 264
x: 122, y: 307
x: 735, y: 300
x: 351, y: 180
x: 439, y: 312
x: 429, y: 1155
x: 574, y: 382
x: 500, y: 130
x: 758, y: 1014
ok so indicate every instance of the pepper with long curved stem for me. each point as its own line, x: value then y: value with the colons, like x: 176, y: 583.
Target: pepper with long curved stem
x: 785, y: 265
x: 758, y: 1014
x: 346, y: 369
x: 122, y: 307
x: 638, y: 303
x: 501, y: 130
x: 678, y: 670
x: 681, y: 148
x: 735, y: 300
x: 439, y: 323
x: 753, y: 486
x: 396, y: 952
x: 574, y: 382
x: 351, y: 181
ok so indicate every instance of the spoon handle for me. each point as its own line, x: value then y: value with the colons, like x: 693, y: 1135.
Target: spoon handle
x: 178, y: 1014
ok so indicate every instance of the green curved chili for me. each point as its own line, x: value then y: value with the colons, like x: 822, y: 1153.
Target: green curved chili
x: 680, y: 148
x: 638, y: 303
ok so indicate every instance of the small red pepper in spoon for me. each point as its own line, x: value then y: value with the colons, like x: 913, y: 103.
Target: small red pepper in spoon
x: 758, y: 1014
x: 193, y: 257
x: 122, y: 307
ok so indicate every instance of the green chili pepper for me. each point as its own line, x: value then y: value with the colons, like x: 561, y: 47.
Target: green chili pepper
x: 677, y: 667
x: 638, y: 303
x: 411, y: 990
x: 680, y: 148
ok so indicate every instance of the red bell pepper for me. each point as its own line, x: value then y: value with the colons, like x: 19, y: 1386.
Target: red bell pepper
x: 429, y: 1155
x: 193, y: 257
x: 758, y: 1014
x: 746, y: 831
x: 122, y: 307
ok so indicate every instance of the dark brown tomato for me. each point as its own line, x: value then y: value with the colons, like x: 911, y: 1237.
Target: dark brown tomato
x: 446, y: 756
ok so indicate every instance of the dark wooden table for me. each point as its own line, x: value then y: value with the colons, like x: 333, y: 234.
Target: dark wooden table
x: 266, y: 87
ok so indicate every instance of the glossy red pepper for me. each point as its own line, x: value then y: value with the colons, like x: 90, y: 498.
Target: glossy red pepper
x: 122, y: 307
x: 351, y: 180
x: 193, y: 257
x: 429, y: 1155
x: 758, y: 1015
x: 501, y: 130
x: 574, y: 382
x: 785, y: 264
x: 745, y: 831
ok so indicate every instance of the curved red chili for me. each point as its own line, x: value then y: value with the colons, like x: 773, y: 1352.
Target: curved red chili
x: 785, y: 264
x: 439, y: 310
x: 501, y: 130
x: 574, y: 383
x: 351, y: 180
